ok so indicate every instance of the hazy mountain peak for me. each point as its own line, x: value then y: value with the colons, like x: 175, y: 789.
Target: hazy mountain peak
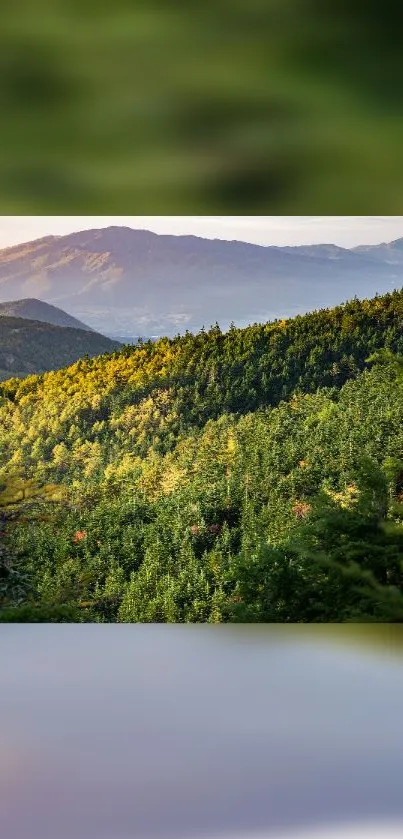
x: 34, y: 309
x: 131, y: 282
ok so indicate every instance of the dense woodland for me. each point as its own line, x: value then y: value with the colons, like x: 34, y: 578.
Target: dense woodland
x: 29, y: 346
x: 255, y: 475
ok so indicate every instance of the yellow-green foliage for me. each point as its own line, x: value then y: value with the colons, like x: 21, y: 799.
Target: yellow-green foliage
x: 177, y: 461
x: 81, y: 420
x: 15, y: 490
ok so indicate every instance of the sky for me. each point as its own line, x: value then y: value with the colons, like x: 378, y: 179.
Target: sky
x: 346, y: 231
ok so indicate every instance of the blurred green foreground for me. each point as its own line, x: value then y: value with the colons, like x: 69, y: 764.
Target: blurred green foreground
x: 288, y: 106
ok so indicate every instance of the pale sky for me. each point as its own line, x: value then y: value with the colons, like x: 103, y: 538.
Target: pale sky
x: 346, y: 231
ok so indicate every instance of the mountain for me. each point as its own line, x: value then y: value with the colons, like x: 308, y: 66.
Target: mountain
x: 28, y: 346
x: 388, y: 253
x: 253, y: 475
x: 38, y: 310
x: 133, y: 282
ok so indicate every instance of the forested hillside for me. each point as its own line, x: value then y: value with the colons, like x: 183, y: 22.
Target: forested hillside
x: 254, y: 475
x: 29, y: 346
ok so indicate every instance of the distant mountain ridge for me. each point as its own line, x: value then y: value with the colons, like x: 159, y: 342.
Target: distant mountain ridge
x: 129, y: 282
x: 38, y: 310
x: 389, y: 252
x: 28, y: 347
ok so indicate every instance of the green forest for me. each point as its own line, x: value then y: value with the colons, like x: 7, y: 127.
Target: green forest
x: 248, y: 476
x: 29, y: 346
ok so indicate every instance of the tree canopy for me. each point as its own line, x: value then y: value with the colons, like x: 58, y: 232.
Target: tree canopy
x: 254, y: 475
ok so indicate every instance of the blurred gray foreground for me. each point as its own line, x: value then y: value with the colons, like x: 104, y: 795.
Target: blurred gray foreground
x: 119, y: 732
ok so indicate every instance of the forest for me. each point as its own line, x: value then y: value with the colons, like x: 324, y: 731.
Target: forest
x: 248, y: 476
x: 32, y: 346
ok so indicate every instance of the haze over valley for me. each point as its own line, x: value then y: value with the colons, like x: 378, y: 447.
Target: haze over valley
x: 127, y: 283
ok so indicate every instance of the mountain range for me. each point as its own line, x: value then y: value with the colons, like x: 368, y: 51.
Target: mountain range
x: 125, y: 282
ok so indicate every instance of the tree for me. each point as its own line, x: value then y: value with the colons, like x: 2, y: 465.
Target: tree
x: 20, y: 500
x: 344, y: 563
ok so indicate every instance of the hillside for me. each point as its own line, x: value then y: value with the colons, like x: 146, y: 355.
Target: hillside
x: 28, y: 347
x: 38, y: 310
x: 254, y: 475
x: 134, y: 282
